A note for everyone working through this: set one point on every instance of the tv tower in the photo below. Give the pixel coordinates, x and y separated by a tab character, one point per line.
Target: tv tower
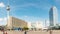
8	14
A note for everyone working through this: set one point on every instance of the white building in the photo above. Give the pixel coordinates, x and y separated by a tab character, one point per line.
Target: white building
53	16
36	25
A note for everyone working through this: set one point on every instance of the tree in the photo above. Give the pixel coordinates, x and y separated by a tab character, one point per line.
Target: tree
25	28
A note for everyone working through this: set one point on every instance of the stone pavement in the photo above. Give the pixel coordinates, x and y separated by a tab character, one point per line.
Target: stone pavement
32	32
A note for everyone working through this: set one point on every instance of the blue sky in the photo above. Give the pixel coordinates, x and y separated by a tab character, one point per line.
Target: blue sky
29	10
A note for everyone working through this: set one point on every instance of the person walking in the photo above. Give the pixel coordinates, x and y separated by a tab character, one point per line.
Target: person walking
6	32
3	32
25	32
50	31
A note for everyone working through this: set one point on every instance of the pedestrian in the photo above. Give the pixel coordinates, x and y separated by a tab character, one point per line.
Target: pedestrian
50	31
25	32
5	32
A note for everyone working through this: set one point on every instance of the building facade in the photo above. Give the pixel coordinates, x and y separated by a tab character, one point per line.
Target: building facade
53	16
15	23
35	25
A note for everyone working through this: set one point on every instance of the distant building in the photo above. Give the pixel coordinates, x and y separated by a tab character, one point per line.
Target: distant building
35	26
16	23
53	16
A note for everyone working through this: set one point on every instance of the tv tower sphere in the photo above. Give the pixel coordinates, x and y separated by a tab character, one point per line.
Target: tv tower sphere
8	8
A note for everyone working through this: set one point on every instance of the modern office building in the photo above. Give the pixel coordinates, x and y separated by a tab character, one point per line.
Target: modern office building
15	23
53	16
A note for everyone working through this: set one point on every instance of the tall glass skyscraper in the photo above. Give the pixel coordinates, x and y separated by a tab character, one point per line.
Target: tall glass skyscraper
53	16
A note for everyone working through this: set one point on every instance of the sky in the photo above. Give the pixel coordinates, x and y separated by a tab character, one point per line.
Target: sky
28	10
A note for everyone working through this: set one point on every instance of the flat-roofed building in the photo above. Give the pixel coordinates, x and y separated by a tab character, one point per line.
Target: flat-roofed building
37	25
15	23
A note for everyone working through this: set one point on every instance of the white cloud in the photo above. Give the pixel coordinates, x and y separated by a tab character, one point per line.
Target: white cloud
2	4
3	21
